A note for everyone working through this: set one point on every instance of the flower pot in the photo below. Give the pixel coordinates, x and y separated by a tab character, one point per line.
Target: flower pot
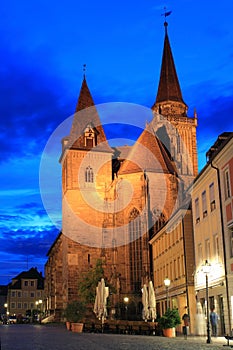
68	325
169	332
77	327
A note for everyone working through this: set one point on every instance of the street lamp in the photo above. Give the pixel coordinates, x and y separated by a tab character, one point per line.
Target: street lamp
126	300
7	313
167	283
206	269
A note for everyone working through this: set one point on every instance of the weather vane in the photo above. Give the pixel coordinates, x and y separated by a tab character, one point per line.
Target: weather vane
166	13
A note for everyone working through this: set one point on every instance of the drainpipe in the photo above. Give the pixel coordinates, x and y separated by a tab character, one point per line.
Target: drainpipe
185	264
224	244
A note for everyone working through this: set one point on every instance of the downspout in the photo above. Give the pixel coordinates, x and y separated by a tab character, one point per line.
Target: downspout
185	266
224	244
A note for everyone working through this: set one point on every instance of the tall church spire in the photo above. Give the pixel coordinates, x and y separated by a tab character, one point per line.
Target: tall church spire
85	99
169	98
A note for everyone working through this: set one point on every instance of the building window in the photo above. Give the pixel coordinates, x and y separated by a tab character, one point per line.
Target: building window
207	249
13	294
135	249
204	204
32	283
25	306
12	305
178	267
158	220
231	241
19	305
32	295
89	175
25	294
227	184
212	197
216	247
197	210
26	283
199	252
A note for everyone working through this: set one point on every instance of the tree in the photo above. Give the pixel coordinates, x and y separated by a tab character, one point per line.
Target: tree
87	286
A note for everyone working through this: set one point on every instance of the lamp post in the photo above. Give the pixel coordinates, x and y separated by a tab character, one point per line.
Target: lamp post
167	283
7	313
126	300
37	303
206	269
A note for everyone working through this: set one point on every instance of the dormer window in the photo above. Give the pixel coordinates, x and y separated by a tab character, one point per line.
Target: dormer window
89	137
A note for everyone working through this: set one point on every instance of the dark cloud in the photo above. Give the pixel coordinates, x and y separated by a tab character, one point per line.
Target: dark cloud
24	247
28	242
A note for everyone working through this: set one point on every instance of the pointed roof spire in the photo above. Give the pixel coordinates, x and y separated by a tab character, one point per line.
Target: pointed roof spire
169	87
85	99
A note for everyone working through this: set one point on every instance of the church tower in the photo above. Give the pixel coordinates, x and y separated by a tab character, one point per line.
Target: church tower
180	129
112	207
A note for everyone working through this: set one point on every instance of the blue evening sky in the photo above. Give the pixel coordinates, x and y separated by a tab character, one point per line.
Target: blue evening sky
43	48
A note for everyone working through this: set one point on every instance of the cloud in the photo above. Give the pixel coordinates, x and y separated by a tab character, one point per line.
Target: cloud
21	249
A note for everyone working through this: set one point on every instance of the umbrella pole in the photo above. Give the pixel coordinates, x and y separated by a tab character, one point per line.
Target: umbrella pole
102	324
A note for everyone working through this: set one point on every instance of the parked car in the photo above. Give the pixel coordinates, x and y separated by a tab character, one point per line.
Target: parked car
12	319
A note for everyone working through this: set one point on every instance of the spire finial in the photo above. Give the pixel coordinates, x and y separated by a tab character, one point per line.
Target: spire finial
165	14
84	70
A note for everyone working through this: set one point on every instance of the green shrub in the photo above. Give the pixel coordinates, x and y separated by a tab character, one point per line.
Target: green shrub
170	319
75	311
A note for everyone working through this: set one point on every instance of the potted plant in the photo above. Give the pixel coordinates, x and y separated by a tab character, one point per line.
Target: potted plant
169	321
74	314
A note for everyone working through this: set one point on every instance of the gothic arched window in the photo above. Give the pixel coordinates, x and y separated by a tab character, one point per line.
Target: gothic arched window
135	249
89	175
159	220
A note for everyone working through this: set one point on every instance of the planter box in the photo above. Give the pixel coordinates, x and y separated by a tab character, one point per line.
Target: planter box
77	327
68	325
169	332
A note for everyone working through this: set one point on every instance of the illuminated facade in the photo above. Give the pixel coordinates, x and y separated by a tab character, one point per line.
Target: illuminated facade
25	290
114	200
173	258
212	231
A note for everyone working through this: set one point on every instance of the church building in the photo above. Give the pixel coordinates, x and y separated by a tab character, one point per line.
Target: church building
115	199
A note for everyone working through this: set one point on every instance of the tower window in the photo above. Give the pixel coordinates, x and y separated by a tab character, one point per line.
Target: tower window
90	139
89	175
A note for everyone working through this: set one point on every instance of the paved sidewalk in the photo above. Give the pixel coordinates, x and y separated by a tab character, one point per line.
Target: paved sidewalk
41	337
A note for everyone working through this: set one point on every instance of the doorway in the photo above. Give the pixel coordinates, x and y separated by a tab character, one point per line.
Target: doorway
221	315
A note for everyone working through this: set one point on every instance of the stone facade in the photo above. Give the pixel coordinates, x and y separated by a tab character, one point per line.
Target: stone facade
113	205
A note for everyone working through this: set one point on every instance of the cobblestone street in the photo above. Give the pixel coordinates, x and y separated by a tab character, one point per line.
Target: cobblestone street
40	337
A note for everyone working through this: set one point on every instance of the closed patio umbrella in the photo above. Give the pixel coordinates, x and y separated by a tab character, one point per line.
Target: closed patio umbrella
100	306
145	310
152	301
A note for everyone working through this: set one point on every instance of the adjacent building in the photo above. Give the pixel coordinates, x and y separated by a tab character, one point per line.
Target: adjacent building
212	223
25	293
174	265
